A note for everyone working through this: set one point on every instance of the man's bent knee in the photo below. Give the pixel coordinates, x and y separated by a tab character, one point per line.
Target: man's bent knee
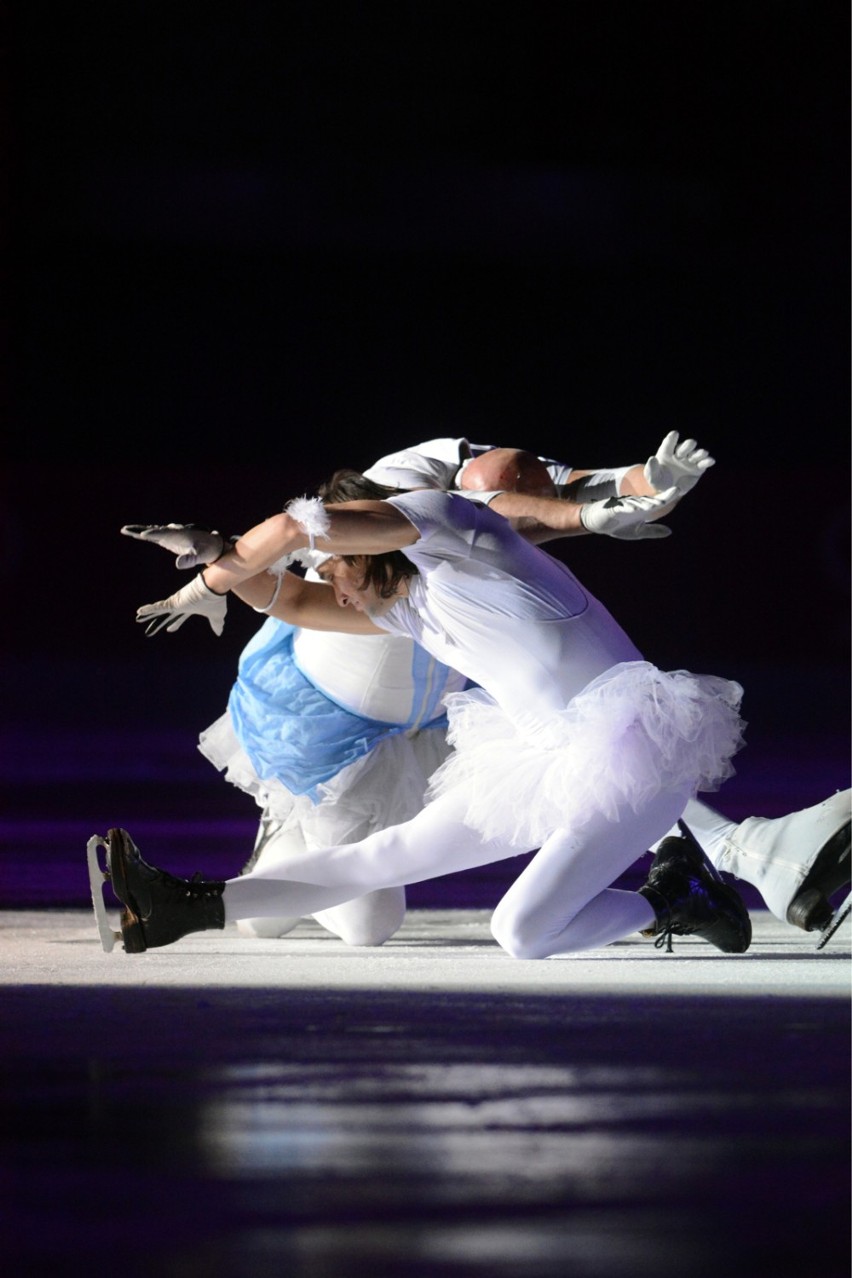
515	938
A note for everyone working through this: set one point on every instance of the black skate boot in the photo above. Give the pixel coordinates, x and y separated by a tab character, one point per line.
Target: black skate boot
689	901
158	908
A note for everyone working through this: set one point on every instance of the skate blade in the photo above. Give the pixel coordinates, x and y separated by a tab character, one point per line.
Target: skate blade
98	875
708	864
840	915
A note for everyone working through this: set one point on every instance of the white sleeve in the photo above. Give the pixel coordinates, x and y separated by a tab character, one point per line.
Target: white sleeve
482	499
432	464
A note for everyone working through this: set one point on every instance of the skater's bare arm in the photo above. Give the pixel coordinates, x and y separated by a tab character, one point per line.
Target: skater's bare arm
309	604
354	528
541	519
366	527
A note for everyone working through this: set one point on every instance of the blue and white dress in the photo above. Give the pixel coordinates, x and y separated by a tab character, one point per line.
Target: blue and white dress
334	732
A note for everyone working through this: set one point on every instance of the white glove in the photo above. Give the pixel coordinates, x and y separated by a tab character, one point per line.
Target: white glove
193	546
626	518
678	466
196	597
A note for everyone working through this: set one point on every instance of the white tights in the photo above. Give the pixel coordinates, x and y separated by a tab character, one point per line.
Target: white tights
561	903
367	920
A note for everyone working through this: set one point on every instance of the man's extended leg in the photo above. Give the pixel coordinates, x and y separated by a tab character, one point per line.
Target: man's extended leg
433	843
160	908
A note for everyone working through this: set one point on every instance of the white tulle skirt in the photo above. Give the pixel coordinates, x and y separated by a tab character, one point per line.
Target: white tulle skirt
386	786
630	734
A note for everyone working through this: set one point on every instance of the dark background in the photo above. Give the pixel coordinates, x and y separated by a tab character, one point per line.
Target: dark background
248	243
251	242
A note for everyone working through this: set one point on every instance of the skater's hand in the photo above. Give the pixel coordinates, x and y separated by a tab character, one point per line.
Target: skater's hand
194	598
193	546
677	466
627	518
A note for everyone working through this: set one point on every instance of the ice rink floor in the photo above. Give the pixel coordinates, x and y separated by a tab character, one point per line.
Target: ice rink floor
229	1106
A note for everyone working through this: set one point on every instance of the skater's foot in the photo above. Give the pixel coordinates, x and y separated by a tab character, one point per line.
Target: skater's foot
689	901
811	909
158	908
797	861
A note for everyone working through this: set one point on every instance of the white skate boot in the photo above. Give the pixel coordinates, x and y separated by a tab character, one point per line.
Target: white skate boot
797	862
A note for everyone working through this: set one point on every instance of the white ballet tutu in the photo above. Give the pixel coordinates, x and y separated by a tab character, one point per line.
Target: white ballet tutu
631	733
384	787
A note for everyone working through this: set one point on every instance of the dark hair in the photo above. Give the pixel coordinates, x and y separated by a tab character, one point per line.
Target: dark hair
351	485
382	572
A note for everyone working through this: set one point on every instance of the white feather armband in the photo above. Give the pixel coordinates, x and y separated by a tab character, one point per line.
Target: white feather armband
312	517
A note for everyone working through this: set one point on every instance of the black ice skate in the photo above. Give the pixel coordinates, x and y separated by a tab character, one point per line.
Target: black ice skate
689	899
158	908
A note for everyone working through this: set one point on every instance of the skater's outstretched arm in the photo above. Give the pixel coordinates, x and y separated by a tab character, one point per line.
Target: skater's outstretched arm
311	605
348	528
676	464
540	519
351	528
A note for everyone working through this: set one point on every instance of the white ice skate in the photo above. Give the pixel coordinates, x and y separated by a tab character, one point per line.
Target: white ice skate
797	862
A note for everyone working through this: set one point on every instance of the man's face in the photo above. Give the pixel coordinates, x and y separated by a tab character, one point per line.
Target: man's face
346	581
